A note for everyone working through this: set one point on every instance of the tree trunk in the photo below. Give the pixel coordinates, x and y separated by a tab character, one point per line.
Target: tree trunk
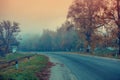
2	54
88	46
88	39
88	50
118	23
119	41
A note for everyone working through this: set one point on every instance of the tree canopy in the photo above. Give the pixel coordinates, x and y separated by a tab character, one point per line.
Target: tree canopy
8	36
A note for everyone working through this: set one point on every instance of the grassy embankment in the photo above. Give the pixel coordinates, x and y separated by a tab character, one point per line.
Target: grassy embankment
103	53
27	67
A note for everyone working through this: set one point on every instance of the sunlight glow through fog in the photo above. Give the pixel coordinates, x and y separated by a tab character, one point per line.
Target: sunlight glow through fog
36	15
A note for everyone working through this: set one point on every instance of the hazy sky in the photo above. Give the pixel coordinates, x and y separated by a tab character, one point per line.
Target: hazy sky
36	15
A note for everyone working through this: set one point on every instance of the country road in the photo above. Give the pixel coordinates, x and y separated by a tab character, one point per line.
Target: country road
86	67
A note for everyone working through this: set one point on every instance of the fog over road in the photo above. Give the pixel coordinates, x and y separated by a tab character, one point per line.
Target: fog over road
88	67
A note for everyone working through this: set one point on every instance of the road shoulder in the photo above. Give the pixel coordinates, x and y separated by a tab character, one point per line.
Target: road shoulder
60	71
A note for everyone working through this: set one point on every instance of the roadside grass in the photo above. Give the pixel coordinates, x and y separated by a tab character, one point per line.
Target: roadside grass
27	68
102	53
107	53
12	56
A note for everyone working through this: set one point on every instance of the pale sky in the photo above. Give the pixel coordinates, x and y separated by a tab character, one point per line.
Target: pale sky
35	15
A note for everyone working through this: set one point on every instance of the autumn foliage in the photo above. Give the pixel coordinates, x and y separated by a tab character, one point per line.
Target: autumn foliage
89	17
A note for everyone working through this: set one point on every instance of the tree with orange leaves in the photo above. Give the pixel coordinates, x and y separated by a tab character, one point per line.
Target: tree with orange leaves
110	14
84	15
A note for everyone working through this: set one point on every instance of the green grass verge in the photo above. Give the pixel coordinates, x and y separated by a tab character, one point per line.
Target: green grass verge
15	55
103	53
27	69
12	56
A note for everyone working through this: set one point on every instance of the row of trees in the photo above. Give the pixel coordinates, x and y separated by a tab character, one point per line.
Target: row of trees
60	40
66	38
89	16
90	25
8	36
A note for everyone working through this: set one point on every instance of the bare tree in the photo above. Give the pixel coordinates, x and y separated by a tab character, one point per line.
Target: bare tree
8	35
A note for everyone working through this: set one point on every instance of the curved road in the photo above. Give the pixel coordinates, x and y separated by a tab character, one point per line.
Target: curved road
89	67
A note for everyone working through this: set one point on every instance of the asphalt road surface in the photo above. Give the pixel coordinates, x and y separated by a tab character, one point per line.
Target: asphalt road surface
89	67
